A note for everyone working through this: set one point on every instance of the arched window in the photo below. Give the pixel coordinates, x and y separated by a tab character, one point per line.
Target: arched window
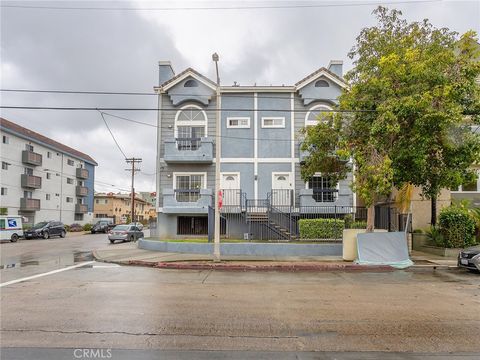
316	114
190	83
321	83
190	127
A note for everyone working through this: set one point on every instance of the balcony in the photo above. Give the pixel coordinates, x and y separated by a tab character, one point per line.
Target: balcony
82	173
31	158
81	191
31	181
81	209
187	201
28	204
187	150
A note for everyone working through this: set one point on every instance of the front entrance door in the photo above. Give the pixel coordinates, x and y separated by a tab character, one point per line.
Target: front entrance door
230	184
281	189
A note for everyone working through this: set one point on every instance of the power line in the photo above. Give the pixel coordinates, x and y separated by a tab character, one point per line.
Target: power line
113	137
173	110
178	8
95	92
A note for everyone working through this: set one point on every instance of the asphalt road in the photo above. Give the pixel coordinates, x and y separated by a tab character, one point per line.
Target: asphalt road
146	313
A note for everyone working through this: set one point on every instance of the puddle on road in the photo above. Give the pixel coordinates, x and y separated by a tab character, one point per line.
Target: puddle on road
63	260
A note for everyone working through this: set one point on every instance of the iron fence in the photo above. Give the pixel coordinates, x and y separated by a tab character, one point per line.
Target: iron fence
260	220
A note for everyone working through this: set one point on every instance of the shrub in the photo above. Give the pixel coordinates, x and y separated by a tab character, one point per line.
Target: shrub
348	221
87	227
67	228
457	227
436	236
321	228
358	225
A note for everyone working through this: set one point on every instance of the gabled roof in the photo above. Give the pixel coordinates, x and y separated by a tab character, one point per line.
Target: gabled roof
186	73
29	134
319	73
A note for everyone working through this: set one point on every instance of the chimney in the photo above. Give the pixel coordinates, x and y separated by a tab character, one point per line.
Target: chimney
165	72
336	66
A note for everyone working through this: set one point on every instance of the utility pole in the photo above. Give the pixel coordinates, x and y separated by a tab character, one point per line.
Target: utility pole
133	161
218	142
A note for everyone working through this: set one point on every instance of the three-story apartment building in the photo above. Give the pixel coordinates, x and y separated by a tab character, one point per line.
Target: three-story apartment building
42	179
260	151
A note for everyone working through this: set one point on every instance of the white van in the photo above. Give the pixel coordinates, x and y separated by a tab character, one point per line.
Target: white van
11	227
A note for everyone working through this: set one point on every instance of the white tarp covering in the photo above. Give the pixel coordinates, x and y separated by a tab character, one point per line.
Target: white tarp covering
389	248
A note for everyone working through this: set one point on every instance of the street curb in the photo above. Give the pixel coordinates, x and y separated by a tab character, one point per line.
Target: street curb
228	266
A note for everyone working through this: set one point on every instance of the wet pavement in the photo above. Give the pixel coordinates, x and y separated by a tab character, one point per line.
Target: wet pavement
154	313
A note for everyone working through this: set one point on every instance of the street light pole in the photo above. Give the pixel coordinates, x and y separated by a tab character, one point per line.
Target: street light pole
216	245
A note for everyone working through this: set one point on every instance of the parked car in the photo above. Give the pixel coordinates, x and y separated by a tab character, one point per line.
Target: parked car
125	233
469	258
102	226
139	225
46	229
10	227
76	227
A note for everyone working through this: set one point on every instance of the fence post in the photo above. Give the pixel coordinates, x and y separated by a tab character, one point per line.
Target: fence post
389	218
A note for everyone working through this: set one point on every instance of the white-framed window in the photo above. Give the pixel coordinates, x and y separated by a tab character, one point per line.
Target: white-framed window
28	171
316	114
187	186
5	139
49	154
70	162
47	196
49	176
273	122
4	191
238	122
5	165
471	187
69	181
190	127
29	147
69	199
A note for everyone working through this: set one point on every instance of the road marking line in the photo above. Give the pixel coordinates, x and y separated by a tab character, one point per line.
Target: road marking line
105	266
45	274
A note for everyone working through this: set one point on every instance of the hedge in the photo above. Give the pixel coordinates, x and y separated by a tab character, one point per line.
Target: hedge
87	227
456	227
321	228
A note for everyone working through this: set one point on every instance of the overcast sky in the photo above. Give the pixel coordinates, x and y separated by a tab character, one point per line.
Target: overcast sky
119	50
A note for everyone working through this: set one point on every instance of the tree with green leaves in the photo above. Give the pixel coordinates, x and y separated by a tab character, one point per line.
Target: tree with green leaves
407	116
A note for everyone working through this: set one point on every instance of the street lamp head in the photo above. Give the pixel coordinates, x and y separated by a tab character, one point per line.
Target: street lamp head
215	57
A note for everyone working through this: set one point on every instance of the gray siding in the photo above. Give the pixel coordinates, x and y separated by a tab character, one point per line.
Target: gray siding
280	147
237	143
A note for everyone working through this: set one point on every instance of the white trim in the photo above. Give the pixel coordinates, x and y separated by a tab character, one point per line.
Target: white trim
280	173
292	135
282	126
184	76
320	74
313	108
175	174
255	145
260	160
238	126
232	89
191	122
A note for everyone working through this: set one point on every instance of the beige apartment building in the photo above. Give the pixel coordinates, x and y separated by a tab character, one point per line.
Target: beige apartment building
118	207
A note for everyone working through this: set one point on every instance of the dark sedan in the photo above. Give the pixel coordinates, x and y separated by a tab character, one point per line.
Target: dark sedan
45	230
125	233
469	258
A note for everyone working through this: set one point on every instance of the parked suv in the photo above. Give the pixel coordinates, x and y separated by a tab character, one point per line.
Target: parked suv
46	229
102	226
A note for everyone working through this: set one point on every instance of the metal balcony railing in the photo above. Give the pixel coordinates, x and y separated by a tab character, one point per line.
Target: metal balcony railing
29	204
81	191
81	208
187	195
31	158
31	181
82	173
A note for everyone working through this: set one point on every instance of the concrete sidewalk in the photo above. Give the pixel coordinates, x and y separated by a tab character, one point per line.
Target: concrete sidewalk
129	254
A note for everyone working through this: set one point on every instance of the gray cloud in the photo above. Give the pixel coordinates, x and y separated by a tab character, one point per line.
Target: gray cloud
118	51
